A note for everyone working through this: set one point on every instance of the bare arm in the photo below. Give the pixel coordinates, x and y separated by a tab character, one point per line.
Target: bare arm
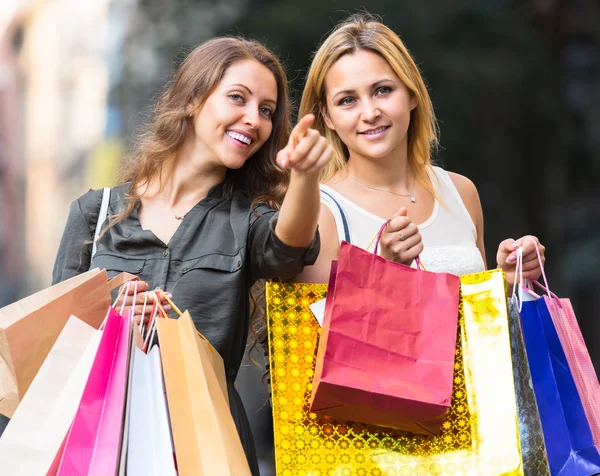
299	213
330	250
306	154
470	196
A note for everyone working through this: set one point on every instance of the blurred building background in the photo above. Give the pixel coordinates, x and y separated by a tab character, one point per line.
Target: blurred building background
515	84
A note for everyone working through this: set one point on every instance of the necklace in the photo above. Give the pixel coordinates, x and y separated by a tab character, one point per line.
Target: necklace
177	217
410	195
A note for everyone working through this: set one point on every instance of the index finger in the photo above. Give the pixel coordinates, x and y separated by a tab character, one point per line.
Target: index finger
397	224
302	127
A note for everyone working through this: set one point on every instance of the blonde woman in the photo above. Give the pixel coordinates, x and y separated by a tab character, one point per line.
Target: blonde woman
371	103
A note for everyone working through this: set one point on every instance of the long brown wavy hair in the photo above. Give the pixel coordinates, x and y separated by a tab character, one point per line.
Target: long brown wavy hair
170	123
363	31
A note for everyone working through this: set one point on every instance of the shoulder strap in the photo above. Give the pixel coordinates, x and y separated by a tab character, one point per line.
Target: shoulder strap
338	213
101	217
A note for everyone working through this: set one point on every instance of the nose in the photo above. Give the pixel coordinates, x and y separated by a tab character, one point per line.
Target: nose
252	117
370	112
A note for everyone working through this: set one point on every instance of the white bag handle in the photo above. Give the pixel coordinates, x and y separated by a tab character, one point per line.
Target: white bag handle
101	218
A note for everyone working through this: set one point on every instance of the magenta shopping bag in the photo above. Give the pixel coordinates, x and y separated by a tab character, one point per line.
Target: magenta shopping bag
94	440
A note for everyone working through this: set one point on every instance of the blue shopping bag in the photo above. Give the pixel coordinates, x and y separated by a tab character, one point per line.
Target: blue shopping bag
569	442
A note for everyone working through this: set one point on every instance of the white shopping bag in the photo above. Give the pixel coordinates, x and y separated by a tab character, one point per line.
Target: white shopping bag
38	428
150	444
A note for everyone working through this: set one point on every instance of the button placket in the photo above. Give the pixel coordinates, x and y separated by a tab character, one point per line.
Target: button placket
165	268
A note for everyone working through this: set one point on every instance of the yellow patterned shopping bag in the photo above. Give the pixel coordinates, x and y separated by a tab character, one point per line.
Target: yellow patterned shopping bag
479	435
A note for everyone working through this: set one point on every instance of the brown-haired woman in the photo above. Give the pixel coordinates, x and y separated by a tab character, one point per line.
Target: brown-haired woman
371	102
194	214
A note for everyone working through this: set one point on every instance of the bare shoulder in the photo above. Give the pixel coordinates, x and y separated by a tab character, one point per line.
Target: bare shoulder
465	186
328	228
468	192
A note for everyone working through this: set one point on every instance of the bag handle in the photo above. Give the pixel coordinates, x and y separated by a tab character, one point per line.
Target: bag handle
124	290
176	309
160	310
417	259
535	281
525	283
519	278
102	214
338	215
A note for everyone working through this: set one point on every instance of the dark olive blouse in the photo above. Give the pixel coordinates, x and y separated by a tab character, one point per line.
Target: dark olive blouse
220	249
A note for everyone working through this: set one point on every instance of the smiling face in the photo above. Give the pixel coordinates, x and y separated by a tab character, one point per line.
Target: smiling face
368	106
236	119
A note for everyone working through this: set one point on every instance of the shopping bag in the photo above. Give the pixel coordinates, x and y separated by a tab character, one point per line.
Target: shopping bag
150	446
479	435
566	326
29	327
567	433
386	354
577	355
40	424
136	344
93	442
204	433
531	435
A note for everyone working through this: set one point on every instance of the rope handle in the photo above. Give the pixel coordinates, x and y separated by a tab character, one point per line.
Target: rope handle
525	283
160	310
378	236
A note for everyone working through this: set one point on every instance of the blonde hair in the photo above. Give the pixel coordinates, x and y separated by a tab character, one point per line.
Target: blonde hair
365	32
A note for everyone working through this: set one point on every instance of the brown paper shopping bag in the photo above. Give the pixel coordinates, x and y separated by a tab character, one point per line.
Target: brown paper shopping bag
205	436
29	327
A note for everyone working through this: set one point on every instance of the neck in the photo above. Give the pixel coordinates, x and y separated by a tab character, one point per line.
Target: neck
190	175
389	173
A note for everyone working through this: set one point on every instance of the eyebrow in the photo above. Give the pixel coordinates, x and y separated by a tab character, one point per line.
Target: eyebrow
240	85
374	85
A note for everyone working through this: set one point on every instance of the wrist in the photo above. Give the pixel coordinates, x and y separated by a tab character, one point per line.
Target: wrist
305	177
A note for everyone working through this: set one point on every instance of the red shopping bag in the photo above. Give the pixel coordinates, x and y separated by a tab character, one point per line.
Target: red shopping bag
386	352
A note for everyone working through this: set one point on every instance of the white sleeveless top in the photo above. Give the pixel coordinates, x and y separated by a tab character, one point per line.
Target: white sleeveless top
449	235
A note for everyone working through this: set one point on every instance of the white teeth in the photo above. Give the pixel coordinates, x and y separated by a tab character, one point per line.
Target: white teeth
240	137
375	131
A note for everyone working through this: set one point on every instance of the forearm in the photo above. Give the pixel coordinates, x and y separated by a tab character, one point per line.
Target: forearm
299	213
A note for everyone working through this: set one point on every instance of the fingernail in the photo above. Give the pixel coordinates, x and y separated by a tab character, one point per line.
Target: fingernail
514	246
169	294
511	258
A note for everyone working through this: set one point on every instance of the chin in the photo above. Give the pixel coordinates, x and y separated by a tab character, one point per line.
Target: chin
235	163
377	152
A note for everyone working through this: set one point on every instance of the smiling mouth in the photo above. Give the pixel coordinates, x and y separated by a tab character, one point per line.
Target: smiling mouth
374	132
239	137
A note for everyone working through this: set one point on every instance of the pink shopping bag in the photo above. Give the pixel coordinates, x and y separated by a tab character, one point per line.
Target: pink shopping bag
564	320
94	440
579	360
386	352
